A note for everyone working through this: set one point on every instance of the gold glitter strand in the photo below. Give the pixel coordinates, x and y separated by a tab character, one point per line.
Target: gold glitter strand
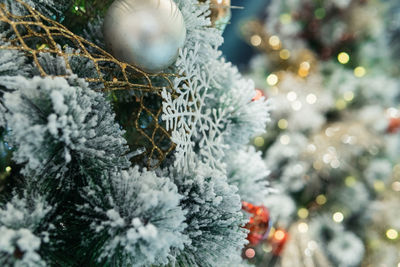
34	34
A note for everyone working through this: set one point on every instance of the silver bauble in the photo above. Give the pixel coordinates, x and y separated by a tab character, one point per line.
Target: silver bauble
145	33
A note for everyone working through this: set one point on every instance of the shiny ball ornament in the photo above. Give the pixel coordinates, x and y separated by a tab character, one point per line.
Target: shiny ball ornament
145	33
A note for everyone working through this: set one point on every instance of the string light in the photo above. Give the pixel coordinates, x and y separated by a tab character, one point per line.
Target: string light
267	247
327	158
255	40
311	99
302	213
308	252
340	104
396	186
272	79
296	105
392	234
305	65
312	245
330	131
350	181
348	139
8	169
379	186
304	69
285	139
279	235
338	217
303	73
291	96
259	141
348	96
311	148
250	253
320	199
284	54
282	124
285	18
335	163
302	227
343	58
274	42
359	71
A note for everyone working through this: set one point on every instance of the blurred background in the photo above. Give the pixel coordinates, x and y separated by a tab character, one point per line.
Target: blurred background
330	70
234	41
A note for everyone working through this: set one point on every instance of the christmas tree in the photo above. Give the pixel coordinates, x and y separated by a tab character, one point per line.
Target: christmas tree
120	145
330	70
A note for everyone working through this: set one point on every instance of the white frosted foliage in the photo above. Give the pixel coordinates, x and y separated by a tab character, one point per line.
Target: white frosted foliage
284	159
324	229
281	207
301	102
346	249
22	231
289	150
246	170
49	8
214	219
139	214
380	169
357	195
368	89
22	240
12	63
55	125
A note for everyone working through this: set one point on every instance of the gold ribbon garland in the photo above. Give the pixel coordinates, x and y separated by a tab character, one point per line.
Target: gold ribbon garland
34	34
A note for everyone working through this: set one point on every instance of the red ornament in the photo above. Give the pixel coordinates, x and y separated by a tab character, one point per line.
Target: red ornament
394	125
259	94
259	223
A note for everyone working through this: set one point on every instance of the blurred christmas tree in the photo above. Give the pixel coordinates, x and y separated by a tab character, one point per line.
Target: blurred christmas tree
120	147
331	75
